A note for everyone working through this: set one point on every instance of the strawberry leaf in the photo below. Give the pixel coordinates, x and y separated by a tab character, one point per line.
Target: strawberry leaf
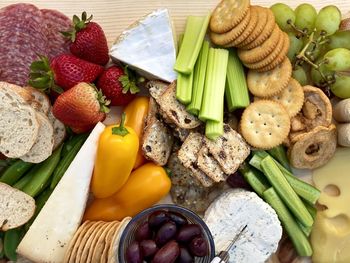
102	100
128	81
41	76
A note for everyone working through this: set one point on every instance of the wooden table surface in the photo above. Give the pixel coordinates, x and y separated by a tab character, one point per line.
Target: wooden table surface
115	15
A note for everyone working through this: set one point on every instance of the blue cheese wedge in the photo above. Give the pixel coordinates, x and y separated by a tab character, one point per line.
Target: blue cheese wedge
149	46
234	209
48	237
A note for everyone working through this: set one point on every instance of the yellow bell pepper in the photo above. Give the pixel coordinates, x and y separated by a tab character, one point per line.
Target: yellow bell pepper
146	186
136	112
116	156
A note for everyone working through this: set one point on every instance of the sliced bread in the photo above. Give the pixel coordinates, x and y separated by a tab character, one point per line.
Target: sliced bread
42	102
43	145
188	155
176	111
156	88
12	92
210	166
16	207
230	150
59	130
157	141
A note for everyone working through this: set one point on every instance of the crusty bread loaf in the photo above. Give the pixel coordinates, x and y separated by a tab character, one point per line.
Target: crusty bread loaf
16	207
43	145
59	130
41	102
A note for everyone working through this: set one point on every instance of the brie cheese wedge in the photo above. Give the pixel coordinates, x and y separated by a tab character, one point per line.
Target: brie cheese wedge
149	46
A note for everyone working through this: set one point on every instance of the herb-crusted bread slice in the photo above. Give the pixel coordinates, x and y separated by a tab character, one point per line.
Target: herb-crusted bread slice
175	110
188	155
230	150
16	207
157	141
43	145
210	166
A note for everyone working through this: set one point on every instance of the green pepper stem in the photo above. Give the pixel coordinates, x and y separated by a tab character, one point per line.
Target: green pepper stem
120	130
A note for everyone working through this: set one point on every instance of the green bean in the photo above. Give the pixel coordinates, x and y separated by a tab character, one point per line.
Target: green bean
14	172
2	254
11	242
27	177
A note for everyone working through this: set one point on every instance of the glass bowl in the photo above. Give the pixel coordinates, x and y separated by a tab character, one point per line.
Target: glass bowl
129	231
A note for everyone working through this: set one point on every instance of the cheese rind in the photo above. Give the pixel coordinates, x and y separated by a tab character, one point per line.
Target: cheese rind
148	46
48	237
234	209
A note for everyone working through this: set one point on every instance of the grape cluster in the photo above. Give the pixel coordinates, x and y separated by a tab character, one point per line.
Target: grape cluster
319	51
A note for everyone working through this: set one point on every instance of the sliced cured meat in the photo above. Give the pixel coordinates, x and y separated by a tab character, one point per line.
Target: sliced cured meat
56	22
22	39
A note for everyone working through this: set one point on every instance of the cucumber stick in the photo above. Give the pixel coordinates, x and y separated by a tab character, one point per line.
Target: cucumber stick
300	241
255	179
279	153
285	191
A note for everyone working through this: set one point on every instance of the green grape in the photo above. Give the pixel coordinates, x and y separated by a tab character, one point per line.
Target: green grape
338	59
283	13
295	46
305	16
300	75
341	87
340	39
328	20
316	76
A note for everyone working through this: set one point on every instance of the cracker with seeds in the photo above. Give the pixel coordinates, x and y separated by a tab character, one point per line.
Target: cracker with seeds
228	14
270	83
210	166
265	124
229	150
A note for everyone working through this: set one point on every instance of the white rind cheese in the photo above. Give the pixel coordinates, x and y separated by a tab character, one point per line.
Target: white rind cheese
234	209
49	235
148	46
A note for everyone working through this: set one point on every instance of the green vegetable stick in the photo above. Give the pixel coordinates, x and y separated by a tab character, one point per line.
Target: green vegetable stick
214	129
285	191
13	173
300	241
27	177
279	153
255	178
196	27
184	88
11	241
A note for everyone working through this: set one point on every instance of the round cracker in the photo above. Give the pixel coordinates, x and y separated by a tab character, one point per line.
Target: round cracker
265	124
272	56
85	242
258	29
228	37
248	30
268	28
113	249
99	244
258	53
228	14
74	243
108	241
267	84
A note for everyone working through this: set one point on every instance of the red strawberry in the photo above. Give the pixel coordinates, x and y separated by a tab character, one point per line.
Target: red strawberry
88	40
118	85
81	107
64	71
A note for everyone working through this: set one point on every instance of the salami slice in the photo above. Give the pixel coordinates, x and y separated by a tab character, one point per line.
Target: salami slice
56	22
22	39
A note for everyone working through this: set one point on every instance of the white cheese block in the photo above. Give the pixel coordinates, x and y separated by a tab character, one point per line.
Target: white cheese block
234	209
48	237
148	46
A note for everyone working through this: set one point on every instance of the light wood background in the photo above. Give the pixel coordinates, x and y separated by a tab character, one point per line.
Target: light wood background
115	15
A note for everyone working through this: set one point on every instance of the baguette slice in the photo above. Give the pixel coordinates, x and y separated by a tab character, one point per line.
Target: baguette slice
13	92
59	130
43	145
16	207
42	102
156	88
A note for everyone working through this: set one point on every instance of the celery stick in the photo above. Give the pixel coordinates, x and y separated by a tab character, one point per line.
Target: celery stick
214	89
214	129
306	191
279	153
299	240
179	42
196	27
285	191
236	91
199	79
306	229
255	178
184	88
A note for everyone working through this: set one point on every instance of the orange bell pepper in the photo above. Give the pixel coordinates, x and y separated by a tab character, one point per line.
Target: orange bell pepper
115	159
136	113
146	186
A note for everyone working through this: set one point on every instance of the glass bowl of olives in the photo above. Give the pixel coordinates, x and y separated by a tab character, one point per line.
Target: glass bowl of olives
166	234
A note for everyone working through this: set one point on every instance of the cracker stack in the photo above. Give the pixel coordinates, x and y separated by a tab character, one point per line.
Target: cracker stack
261	44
